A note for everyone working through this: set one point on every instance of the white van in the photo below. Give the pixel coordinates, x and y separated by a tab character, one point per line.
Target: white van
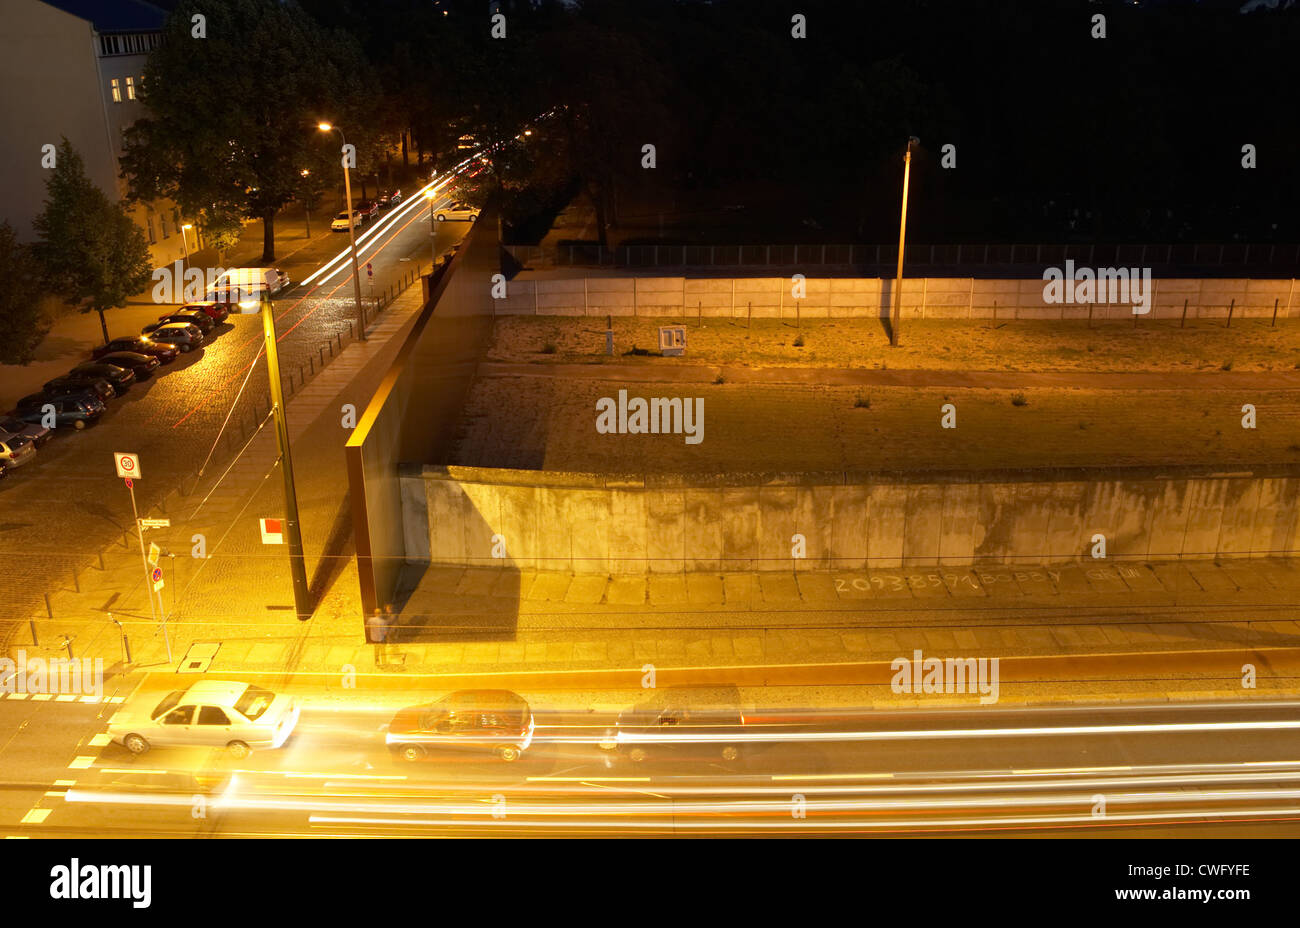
244	286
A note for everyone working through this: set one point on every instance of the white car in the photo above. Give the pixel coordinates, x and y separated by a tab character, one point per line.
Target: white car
340	223
211	713
456	211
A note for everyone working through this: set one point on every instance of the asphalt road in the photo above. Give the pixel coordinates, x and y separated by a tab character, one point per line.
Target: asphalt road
66	506
1221	769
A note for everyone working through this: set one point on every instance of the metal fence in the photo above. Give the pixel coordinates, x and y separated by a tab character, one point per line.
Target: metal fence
1235	255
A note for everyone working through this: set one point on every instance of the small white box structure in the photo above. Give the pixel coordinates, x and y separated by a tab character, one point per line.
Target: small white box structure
672	340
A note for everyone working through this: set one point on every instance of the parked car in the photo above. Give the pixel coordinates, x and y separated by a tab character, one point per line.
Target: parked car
16	450
183	335
120	377
80	383
487	721
77	410
214	310
368	208
392	198
456	211
681	722
239	716
340	223
38	433
194	317
142	365
165	352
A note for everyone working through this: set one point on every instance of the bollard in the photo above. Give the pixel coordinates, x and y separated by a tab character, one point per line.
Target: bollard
126	642
1274	323
101	561
36	641
322	356
1231	307
76	580
1183	322
1089	315
49	609
311	366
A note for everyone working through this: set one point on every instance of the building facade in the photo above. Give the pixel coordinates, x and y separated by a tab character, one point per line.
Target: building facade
74	68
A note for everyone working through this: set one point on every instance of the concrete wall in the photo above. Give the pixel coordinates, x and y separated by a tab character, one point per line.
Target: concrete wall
928	298
608	525
412	414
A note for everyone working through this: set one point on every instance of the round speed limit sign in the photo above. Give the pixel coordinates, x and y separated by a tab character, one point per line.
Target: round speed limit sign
128	465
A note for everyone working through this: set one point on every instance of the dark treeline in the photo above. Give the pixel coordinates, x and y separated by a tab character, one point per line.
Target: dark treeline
1059	136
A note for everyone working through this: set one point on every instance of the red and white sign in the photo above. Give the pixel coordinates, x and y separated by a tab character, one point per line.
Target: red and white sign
272	531
370	269
128	465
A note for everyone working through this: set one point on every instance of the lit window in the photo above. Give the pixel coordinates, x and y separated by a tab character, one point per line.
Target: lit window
130	88
153	239
117	90
163	220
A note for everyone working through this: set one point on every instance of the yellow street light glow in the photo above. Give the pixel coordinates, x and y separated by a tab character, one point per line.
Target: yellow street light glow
188	225
324	126
304	172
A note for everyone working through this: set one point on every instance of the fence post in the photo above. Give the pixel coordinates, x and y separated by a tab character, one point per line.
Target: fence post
1231	306
1183	322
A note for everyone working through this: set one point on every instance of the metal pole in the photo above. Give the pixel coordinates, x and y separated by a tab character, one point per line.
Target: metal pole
297	566
1231	307
148	578
897	309
352	240
1182	324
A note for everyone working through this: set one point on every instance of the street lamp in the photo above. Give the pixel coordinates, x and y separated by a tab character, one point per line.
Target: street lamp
433	231
356	274
306	210
902	239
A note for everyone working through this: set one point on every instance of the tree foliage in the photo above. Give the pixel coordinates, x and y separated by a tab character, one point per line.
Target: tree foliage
232	117
22	321
90	251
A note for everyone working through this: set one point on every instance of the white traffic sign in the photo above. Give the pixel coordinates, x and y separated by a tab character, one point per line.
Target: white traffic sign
128	465
154	551
155	523
272	532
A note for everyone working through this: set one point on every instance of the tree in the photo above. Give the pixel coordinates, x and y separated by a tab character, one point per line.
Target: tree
21	318
232	115
90	251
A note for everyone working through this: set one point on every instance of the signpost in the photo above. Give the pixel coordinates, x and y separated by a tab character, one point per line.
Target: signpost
128	468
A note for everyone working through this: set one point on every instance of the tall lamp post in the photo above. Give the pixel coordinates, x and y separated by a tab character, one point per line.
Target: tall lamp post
433	231
897	308
305	172
185	245
297	564
352	239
